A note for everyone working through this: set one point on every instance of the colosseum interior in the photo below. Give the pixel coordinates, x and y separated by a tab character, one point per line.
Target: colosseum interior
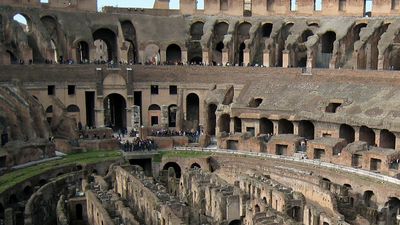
220	112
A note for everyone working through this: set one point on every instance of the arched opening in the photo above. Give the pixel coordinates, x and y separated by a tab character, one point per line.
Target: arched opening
195	165
174	55
257	209
152	55
266	126
224	123
129	32
220	30
28	191
154	114
243	33
327	42
212	119
347	132
369	199
175	167
196	31
387	139
348	186
267	30
237	124
79	211
296	213
306	129
393	206
242	47
115	111
24	21
108	37
367	135
285	127
357	30
73	108
83	52
235	222
368	8
325	223
305	35
172	109
13	58
255	102
192	109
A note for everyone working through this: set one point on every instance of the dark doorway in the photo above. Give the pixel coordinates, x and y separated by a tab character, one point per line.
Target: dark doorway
83	52
79	211
285	127
176	168
146	164
115	111
346	132
212	119
266	126
174	54
306	129
89	100
192	109
172	109
137	98
224	123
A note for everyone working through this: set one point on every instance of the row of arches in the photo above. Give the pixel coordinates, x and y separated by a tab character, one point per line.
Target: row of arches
386	138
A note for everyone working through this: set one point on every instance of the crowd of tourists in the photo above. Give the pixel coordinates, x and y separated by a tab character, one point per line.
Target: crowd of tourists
192	135
138	145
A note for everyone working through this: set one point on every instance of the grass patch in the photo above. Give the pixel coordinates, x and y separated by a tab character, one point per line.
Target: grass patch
180	154
11	179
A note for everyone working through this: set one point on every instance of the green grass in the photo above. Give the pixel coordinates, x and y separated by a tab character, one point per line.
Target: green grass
11	179
180	154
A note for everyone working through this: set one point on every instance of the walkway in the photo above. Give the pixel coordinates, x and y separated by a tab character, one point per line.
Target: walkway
377	176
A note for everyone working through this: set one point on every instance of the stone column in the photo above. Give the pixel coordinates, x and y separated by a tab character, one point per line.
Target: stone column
266	58
397	144
295	127
164	116
141	59
276	126
232	125
99	117
377	137
135	117
381	62
206	57
179	112
163	56
285	59
368	53
356	133
256	127
246	57
225	56
184	57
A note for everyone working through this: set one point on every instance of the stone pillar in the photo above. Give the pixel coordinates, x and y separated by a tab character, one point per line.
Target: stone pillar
206	58
232	125
377	137
368	53
256	127
381	61
225	56
99	117
266	58
135	117
9	216
397	144
246	57
356	133
295	127
163	57
141	59
74	55
179	112
285	59
164	116
184	57
92	53
276	126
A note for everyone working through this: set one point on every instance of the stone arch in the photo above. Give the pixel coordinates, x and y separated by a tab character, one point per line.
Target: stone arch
195	165
114	79
110	39
356	31
175	166
368	135
28	191
49	109
196	30
172	110
154	116
243	33
152	54
174	54
393	206
327	41
220	30
347	132
115	111
25	20
82	53
387	139
266	30
193	109
73	108
306	129
129	32
211	119
224	123
266	126
257	208
369	199
285	127
237	124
